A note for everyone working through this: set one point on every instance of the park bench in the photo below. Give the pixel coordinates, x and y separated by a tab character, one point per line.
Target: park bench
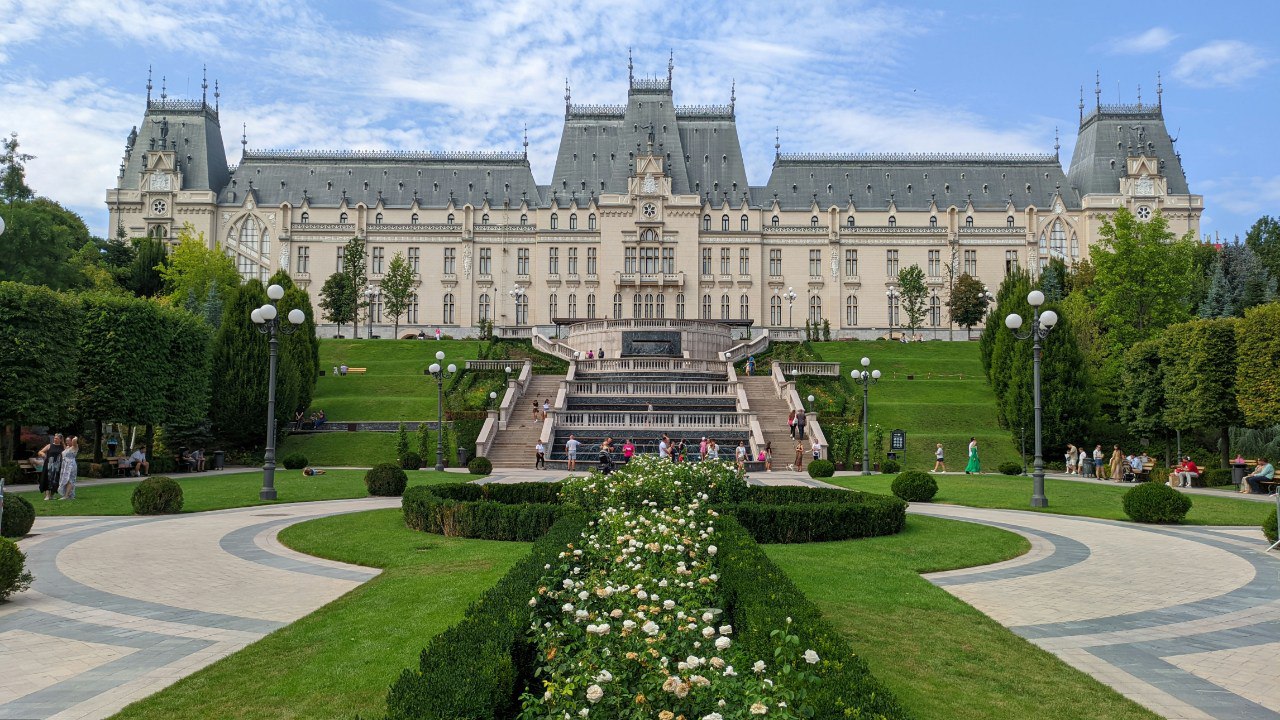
1251	465
1145	473
356	371
30	473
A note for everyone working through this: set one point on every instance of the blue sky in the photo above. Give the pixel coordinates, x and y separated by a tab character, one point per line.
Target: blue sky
833	76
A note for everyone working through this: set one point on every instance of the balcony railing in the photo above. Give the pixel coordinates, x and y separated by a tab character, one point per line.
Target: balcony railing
652	419
641	388
819	369
617	365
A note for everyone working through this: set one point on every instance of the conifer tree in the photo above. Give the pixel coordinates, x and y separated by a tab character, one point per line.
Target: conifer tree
239	366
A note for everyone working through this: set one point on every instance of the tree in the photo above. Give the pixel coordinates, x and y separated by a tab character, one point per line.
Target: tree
397	288
1264	239
968	301
38	356
1142	398
914	295
300	352
1258	356
1066	394
40	239
13	174
149	257
353	266
239	367
1199	360
1238	280
337	300
196	273
1013	289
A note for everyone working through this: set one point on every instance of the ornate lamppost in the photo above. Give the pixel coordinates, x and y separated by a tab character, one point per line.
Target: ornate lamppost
866	380
267	318
893	295
517	294
790	296
1041	324
439	373
370	293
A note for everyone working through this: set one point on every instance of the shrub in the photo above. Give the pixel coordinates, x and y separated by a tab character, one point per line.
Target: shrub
385	480
12	474
19	516
157	495
1010	468
410	461
465	510
821	522
527	492
889	467
480	466
163	464
822	469
14	577
1269	526
1217	477
1155	502
915	486
295	461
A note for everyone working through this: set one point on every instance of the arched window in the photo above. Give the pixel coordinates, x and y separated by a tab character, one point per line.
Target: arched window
555	221
484	219
680	306
1057	239
648	306
968	221
449	219
573	306
617	306
815	308
1008	221
249	234
775	310
706	222
1044	245
935	311
724	222
706	307
524	219
573	221
636	305
1075	246
724	306
306	218
591	221
591	306
851	222
447	316
893	221
660	311
744	307
743	223
851	310
813	221
522	310
775	221
648	235
933	221
553	306
377	219
413	219
342	218
484	306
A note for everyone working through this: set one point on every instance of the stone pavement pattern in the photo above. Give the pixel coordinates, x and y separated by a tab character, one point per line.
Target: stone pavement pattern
1184	620
124	606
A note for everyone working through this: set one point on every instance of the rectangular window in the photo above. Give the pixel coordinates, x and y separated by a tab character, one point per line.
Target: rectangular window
724	261
573	259
304	259
451	264
815	263
649	260
411	312
891	263
744	261
629	260
413	259
706	261
971	262
775	263
486	261
669	260
553	261
522	261
851	263
377	261
591	260
1010	262
342	259
935	263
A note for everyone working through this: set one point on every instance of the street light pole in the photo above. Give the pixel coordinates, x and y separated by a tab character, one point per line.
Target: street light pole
866	380
267	318
437	372
1041	324
516	295
370	292
892	294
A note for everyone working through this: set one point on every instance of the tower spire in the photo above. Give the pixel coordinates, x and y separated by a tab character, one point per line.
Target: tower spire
1159	91
149	86
1056	145
1097	89
733	94
526	141
244	138
164	94
631	70
777	143
204	85
567	95
1139	95
1082	104
216	96
671	66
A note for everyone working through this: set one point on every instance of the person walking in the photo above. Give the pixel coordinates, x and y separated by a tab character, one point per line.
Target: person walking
535	411
1071	457
974	466
740	456
67	479
799	463
539	456
702	449
664	447
791	424
768	456
1117	464
628	450
546	407
751	365
571	451
52	456
1084	461
1098	471
939	466
800	422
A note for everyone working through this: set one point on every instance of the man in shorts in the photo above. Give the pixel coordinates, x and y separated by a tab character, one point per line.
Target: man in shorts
571	449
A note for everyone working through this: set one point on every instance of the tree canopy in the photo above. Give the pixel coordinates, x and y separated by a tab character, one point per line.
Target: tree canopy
197	276
337	300
397	288
1258	356
913	293
968	301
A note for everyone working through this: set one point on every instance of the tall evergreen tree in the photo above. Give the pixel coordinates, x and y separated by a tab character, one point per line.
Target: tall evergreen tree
149	257
1013	288
300	350
1219	301
239	406
1264	239
1067	396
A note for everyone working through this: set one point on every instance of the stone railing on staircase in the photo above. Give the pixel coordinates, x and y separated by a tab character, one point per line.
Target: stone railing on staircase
648	365
786	390
818	369
552	347
743	350
498	419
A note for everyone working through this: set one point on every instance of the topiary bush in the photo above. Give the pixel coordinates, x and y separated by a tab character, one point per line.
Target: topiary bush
822	469
410	461
1155	502
12	474
1217	477
385	480
295	461
14	577
480	466
158	495
915	486
888	467
1010	468
801	515
18	518
1269	526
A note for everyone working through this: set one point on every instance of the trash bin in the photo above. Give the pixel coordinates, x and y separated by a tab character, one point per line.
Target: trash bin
218	455
1086	468
462	457
1237	472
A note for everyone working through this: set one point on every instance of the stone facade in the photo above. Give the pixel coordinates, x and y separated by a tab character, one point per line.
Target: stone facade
648	214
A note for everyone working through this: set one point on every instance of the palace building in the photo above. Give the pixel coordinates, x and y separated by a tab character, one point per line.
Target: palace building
648	214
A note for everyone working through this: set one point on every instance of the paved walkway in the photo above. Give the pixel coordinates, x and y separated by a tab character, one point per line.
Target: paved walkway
124	606
1184	620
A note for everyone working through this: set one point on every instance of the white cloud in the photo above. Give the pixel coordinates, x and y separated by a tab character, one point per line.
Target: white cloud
1149	41
181	24
1222	62
1249	196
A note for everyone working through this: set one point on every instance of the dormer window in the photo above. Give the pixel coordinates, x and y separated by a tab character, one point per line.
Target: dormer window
377	219
555	221
449	219
706	222
1008	221
484	219
413	219
342	218
893	221
933	221
813	221
724	223
306	217
968	221
775	221
591	221
851	222
573	221
524	219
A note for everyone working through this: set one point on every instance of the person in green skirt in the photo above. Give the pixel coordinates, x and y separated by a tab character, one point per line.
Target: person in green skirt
974	465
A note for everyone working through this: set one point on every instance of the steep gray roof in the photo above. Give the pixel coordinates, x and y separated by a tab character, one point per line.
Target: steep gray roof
192	131
1110	134
397	178
912	181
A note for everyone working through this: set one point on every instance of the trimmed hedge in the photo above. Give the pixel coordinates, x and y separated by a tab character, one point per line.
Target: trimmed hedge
480	466
1155	502
822	469
385	480
801	514
18	518
294	461
410	461
889	467
1217	477
1269	526
761	598
522	511
915	486
157	495
14	577
477	669
1010	468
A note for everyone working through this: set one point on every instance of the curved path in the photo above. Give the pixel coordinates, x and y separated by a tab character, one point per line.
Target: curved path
124	606
1184	620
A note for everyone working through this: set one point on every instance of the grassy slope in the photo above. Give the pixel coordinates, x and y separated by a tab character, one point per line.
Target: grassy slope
215	492
357	449
1066	497
394	387
947	410
340	660
942	658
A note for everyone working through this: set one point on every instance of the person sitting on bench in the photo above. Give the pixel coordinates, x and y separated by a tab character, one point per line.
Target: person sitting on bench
1264	472
138	461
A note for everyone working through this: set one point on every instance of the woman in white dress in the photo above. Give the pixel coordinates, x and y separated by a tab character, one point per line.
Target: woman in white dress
67	480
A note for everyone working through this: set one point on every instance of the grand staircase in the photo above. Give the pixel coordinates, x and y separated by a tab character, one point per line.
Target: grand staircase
771	412
514	446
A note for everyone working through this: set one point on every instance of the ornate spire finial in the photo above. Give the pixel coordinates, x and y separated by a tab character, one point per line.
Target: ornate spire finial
244	137
566	96
1082	104
671	65
164	94
149	86
1159	90
1097	89
1056	145
204	85
631	74
526	141
733	94
216	96
777	143
1139	95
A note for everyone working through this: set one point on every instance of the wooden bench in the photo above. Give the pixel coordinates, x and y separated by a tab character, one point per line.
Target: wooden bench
356	371
1252	465
30	473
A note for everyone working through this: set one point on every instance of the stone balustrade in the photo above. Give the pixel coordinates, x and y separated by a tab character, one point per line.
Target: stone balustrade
652	420
641	388
818	369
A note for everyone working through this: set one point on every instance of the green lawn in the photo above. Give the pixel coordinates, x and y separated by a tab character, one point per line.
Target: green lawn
394	387
216	492
357	449
947	401
1066	497
340	660
941	657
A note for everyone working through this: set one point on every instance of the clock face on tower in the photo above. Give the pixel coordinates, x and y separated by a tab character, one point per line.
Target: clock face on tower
649	210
